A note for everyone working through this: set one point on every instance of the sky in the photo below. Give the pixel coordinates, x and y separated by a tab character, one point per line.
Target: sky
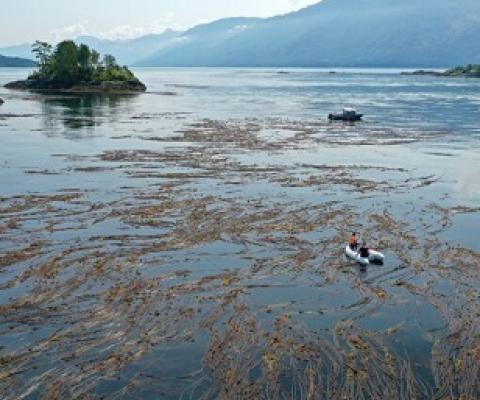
24	21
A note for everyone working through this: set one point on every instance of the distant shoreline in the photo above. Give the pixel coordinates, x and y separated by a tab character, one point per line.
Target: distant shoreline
470	71
424	72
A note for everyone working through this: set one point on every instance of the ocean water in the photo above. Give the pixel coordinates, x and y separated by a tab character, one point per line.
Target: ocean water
222	197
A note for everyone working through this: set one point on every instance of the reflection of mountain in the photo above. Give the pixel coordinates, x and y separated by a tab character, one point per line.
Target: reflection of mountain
80	113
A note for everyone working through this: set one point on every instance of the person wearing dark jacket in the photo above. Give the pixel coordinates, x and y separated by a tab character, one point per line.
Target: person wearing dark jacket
364	250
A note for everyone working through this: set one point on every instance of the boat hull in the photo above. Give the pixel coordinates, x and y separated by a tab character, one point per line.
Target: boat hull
341	117
373	257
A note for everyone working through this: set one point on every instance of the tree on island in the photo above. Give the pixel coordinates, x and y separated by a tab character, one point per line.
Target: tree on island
68	64
471	71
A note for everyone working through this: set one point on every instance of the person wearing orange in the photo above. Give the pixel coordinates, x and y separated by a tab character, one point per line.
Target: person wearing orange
354	241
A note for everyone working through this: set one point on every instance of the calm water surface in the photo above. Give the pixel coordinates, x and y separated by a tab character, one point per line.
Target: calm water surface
52	145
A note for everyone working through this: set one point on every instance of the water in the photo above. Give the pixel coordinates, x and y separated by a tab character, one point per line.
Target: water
222	197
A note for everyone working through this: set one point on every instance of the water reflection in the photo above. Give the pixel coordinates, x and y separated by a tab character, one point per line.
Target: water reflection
80	115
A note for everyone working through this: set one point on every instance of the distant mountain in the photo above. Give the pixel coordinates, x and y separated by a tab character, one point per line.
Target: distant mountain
198	46
380	33
332	33
22	51
16	62
126	51
129	51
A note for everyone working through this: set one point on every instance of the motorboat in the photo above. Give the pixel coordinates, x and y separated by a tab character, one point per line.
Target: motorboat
348	114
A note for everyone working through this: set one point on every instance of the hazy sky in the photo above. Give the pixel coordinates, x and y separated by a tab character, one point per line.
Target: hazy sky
26	20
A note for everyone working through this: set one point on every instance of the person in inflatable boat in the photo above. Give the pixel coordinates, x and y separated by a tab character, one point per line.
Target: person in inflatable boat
354	241
364	251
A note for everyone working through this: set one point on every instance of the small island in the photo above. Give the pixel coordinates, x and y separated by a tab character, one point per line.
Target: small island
76	68
469	71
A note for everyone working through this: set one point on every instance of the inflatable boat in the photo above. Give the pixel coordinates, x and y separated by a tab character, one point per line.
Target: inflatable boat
373	256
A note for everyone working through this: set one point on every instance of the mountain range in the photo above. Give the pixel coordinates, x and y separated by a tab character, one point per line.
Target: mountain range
15	62
127	52
332	33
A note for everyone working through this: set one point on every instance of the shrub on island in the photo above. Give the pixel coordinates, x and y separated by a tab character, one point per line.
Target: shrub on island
469	71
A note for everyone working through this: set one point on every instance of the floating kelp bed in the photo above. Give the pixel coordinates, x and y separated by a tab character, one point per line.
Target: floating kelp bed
212	270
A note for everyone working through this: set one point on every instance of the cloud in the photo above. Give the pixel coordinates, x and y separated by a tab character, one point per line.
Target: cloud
303	3
128	31
120	32
70	32
238	29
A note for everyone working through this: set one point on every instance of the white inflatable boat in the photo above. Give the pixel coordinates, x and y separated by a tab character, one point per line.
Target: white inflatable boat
373	256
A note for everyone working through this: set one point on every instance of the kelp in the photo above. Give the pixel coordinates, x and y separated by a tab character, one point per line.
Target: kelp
97	292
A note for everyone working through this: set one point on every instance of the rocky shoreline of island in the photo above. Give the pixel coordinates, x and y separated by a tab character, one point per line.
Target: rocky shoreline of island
93	87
